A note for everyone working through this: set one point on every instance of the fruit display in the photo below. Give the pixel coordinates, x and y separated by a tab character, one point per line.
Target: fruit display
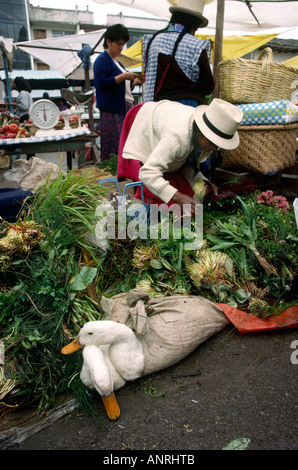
10	127
73	121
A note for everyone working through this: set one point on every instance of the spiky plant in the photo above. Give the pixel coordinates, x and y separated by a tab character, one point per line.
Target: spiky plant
211	268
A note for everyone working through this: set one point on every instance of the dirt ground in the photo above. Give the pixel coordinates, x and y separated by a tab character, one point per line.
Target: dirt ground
233	387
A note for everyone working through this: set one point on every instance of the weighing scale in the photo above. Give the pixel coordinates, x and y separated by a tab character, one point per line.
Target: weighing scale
45	115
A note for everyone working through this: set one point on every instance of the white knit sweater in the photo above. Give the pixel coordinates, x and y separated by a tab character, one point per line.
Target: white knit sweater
161	138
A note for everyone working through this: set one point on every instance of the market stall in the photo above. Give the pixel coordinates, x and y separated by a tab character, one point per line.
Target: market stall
73	56
59	141
79	256
226	16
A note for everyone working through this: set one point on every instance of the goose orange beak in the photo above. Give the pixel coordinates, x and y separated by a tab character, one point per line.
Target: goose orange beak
72	347
111	406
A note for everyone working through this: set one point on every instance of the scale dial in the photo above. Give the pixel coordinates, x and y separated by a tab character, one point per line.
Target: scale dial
44	114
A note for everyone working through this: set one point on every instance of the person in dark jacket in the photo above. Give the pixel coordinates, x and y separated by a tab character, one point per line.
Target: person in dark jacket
113	86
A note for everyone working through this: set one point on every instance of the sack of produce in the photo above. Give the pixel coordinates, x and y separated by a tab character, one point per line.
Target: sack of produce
169	328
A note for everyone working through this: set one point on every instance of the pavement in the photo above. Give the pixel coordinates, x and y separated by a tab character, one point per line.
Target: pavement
235	391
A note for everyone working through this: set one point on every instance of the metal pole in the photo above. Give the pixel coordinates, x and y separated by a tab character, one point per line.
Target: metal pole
8	89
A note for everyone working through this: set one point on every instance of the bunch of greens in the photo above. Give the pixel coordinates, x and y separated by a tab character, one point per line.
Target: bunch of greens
44	298
261	241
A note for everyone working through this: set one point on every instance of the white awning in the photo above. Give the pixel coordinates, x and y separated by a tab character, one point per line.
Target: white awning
239	15
61	53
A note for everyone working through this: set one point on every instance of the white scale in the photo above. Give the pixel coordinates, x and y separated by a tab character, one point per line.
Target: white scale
44	114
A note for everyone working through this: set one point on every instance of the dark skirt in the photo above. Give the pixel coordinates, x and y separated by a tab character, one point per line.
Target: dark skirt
110	126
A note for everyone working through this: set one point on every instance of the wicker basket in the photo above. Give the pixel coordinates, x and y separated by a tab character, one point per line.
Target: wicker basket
256	81
264	149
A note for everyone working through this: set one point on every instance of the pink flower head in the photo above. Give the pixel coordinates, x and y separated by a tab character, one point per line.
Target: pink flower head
268	198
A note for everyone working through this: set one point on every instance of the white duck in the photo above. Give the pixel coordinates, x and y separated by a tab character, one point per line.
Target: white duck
112	355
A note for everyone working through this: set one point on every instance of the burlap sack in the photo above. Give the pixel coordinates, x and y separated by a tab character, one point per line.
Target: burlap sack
169	328
28	174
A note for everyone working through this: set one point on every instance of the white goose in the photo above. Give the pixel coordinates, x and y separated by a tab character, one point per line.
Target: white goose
112	355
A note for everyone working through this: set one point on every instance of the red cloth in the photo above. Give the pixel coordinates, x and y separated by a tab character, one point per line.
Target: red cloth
129	168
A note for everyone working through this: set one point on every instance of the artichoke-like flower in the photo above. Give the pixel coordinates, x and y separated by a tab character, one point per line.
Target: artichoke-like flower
146	285
211	268
6	384
143	255
19	240
258	307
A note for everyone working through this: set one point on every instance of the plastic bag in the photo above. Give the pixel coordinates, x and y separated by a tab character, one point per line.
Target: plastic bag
295	205
247	323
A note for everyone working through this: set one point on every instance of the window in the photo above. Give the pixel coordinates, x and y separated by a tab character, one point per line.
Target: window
39	34
57	33
133	38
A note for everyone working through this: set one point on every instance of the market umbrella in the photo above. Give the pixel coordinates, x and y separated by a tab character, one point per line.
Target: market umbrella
229	15
240	15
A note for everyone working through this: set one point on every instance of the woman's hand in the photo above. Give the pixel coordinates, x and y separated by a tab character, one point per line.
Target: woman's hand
211	188
125	76
181	199
139	80
135	78
130	76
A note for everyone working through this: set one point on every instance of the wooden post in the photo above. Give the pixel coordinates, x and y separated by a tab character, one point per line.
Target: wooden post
90	104
217	57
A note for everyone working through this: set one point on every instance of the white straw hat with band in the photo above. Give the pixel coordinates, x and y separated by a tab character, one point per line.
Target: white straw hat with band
219	123
191	7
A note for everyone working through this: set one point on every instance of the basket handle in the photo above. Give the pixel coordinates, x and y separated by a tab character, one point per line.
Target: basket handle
268	59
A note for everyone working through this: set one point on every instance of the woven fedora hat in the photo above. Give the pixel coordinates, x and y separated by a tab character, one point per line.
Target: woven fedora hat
219	123
191	7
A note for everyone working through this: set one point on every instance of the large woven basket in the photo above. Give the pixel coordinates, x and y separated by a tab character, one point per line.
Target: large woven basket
256	81
266	150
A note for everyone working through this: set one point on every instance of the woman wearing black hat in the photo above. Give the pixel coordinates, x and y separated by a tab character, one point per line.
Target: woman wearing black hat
176	62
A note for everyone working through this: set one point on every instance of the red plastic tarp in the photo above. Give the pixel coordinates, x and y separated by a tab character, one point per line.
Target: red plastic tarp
248	323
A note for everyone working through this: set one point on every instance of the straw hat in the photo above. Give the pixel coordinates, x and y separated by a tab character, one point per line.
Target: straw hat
191	7
219	123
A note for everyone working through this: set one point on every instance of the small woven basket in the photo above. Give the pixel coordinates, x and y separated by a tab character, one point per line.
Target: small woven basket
266	150
256	81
